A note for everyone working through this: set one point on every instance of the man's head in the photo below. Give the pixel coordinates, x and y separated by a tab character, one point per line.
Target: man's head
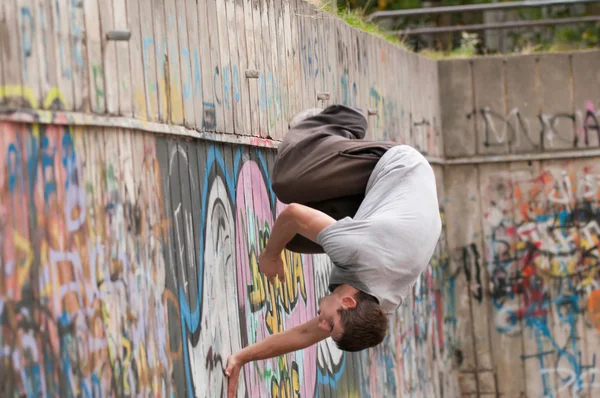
354	319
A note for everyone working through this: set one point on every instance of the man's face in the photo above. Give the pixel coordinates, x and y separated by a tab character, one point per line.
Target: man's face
329	318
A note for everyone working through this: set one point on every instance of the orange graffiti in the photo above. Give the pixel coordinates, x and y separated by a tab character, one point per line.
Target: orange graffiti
594	308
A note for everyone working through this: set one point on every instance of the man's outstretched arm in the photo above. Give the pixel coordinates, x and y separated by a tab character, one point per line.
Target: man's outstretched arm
294	219
297	338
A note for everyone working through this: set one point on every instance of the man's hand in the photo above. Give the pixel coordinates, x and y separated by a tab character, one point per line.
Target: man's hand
232	371
271	265
297	338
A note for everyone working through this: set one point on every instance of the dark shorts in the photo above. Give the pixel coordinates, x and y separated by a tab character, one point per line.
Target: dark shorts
325	163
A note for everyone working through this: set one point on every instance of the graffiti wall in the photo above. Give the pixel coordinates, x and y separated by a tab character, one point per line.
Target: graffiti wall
530	276
129	267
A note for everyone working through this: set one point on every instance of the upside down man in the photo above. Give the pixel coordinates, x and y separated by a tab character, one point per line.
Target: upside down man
371	206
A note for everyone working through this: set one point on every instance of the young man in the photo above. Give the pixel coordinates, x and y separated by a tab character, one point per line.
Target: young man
371	206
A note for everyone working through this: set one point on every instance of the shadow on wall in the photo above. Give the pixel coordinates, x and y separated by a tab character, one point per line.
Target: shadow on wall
129	266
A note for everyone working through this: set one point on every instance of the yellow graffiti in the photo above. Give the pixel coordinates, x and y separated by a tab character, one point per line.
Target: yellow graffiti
22	244
288	385
26	93
277	296
16	91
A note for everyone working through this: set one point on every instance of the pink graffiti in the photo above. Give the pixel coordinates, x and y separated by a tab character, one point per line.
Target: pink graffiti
296	372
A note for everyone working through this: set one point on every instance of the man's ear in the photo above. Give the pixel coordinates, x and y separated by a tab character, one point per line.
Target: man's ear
348	302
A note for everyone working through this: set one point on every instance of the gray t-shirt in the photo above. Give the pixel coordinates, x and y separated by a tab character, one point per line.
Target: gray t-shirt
389	242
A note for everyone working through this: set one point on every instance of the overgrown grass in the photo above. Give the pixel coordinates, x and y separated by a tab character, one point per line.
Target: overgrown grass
356	19
564	40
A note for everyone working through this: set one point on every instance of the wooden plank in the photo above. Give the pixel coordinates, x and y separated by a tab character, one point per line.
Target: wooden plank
78	61
226	67
11	59
244	99
149	59
330	25
154	227
141	301
137	73
369	100
162	72
284	33
185	59
92	139
283	66
172	64
209	114
254	107
195	53
174	278
317	56
94	57
63	52
295	100
262	68
306	63
114	252
398	97
278	70
403	100
111	74
2	51
340	72
29	48
122	51
237	106
216	66
266	80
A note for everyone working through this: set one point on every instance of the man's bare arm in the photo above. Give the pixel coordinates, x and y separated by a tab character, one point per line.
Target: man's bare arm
296	219
297	338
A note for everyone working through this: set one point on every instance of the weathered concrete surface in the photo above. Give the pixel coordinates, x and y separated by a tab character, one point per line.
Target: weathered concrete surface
540	103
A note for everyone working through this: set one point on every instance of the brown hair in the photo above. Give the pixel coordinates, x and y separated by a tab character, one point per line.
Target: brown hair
364	326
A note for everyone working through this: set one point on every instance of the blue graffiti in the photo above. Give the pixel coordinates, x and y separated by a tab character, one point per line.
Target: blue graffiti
13	161
148	42
187	89
76	31
48	155
26	36
197	75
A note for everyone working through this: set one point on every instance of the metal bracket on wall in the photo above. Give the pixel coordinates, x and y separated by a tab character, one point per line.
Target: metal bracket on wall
252	74
118	35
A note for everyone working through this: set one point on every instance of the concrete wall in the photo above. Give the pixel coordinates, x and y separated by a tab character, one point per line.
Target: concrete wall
527	105
135	198
522	209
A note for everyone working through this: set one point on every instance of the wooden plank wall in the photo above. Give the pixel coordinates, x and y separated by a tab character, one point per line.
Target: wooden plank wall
186	61
129	267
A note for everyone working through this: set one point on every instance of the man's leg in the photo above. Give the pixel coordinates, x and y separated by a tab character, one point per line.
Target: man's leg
324	163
